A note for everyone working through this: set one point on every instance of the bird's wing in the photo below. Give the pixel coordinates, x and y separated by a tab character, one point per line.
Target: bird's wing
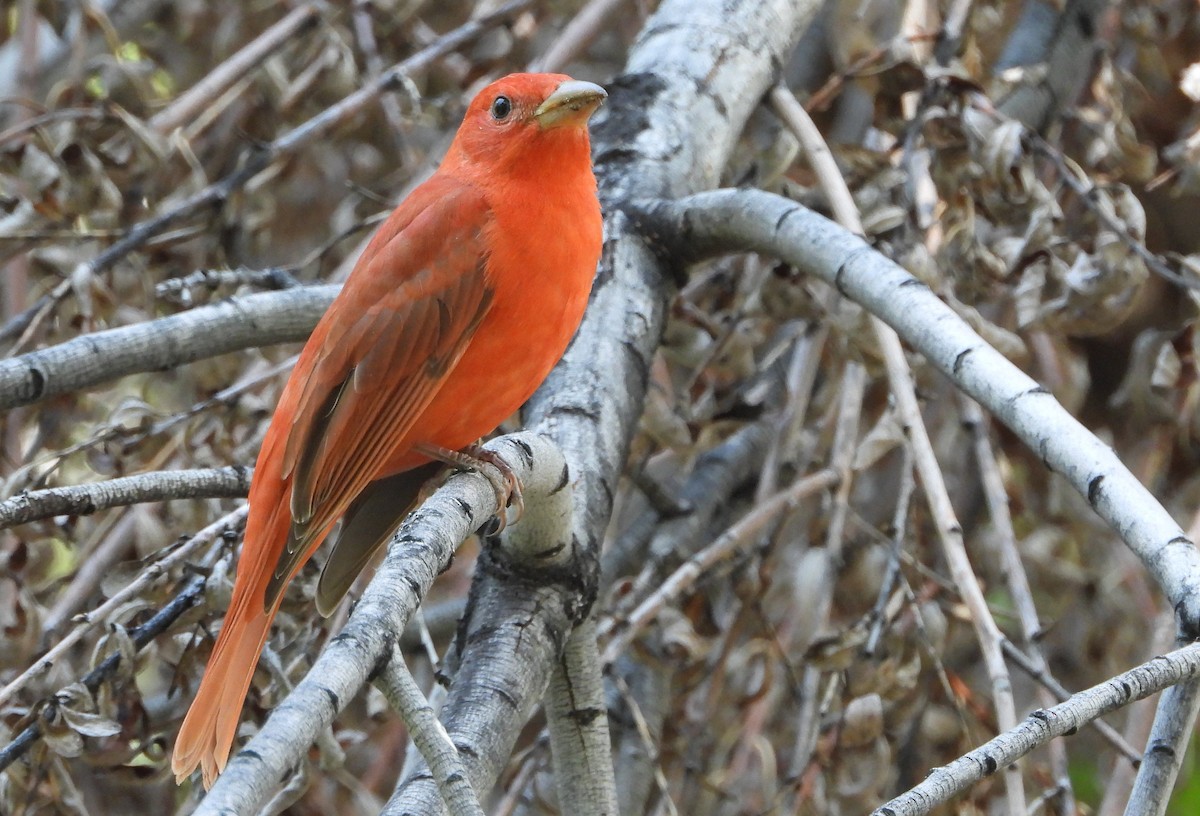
399	327
367	524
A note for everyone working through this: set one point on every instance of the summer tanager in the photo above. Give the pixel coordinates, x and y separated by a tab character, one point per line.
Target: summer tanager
455	313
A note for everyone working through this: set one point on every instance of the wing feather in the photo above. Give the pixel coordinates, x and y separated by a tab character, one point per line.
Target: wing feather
409	311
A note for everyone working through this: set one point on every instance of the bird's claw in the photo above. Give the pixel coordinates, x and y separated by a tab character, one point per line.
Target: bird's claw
507	486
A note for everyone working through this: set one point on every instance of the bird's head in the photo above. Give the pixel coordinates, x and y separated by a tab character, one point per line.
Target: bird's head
524	118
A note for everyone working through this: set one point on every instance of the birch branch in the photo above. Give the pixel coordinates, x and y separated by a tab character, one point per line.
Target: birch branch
238	323
1174	725
419	551
85	499
943	784
695	61
525	600
725	221
431	739
577	717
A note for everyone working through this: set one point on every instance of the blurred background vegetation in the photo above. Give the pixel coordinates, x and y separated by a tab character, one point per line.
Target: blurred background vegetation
1035	242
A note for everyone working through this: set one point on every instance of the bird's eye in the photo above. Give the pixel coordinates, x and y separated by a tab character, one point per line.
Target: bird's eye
501	108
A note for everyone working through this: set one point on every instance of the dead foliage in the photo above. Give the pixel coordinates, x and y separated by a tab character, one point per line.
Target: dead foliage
744	696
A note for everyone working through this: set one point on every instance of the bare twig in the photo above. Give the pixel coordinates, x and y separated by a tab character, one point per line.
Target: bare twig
1041	674
184	600
179	289
1014	573
577	34
1089	196
1174	726
944	783
725	545
430	736
85	499
189	104
365	34
904	494
153	572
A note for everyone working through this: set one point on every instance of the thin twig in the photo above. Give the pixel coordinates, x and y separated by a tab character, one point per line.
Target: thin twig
152	572
904	494
184	600
1014	572
430	737
1041	674
1088	195
584	27
189	104
946	782
726	544
85	499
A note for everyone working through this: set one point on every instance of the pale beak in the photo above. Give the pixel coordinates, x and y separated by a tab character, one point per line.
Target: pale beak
571	103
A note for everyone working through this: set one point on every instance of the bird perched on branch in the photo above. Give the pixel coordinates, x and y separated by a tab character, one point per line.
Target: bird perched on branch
457	310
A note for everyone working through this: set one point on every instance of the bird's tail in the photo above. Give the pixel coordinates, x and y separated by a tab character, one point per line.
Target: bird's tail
208	729
207	733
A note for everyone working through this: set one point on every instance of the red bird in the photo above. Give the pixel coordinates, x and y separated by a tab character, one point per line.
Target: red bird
457	310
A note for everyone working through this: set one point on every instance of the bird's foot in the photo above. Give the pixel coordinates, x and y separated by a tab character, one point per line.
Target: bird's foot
507	486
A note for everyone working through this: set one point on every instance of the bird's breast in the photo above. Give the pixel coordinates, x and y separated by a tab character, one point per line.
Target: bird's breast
541	266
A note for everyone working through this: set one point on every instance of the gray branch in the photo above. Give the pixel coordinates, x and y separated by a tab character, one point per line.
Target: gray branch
416	555
431	739
524	604
745	220
695	62
85	499
577	718
237	323
943	784
1174	724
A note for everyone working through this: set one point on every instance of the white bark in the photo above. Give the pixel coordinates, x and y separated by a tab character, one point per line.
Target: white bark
429	736
85	499
943	784
577	717
419	551
744	220
232	325
523	605
1174	724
